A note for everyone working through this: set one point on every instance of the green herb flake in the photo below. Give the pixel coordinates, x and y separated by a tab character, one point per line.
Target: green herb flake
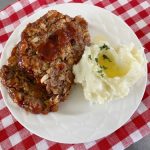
89	56
96	59
103	67
102	75
99	71
106	57
104	47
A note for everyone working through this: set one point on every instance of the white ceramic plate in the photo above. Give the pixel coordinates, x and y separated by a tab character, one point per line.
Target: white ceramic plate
77	121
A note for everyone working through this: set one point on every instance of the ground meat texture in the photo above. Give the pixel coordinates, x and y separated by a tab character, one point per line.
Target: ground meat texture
24	90
64	38
39	74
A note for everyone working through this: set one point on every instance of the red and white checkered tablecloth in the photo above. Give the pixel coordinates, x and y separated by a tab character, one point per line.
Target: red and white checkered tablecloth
136	13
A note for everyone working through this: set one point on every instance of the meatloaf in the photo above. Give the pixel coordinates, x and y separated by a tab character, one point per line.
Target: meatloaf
23	88
39	71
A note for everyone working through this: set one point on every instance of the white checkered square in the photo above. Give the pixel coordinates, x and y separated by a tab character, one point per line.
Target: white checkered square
66	1
70	148
17	6
88	2
118	146
132	12
142	108
148	35
31	1
110	7
15	139
136	136
23	19
89	144
42	145
141	24
7	121
123	2
9	28
145	5
3	15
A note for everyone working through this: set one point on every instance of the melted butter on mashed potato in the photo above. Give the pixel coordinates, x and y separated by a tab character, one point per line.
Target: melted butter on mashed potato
107	73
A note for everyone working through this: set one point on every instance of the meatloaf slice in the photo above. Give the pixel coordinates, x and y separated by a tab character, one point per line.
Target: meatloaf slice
39	71
49	54
24	90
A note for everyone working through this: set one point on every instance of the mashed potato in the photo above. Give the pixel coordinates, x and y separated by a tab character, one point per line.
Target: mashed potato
107	73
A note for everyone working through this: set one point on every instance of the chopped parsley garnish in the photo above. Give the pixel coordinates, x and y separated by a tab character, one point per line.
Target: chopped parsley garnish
106	57
102	75
103	67
96	59
89	56
99	71
104	47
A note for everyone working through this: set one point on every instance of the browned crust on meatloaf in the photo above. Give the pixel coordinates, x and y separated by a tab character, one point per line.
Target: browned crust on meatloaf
48	49
23	88
70	34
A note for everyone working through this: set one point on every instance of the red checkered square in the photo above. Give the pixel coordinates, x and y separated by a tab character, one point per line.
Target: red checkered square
139	121
99	4
4	38
3	135
104	144
28	142
122	133
95	147
65	146
56	147
14	17
28	9
4	112
120	10
136	14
